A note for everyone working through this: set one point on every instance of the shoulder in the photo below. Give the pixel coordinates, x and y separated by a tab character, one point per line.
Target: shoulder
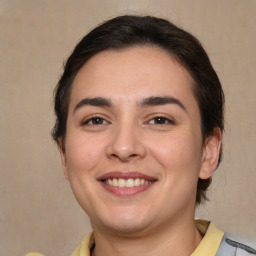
232	246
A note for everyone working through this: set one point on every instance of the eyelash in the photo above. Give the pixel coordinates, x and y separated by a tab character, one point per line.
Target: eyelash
98	119
157	120
163	120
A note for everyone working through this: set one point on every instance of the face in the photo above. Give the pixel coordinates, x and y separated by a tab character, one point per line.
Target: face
133	146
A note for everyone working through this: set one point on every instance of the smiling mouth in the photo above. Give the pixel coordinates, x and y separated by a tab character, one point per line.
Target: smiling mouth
127	183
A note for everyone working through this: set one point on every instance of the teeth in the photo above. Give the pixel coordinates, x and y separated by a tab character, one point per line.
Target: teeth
137	182
115	182
129	183
121	183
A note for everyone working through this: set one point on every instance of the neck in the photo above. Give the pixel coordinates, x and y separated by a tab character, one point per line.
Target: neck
174	239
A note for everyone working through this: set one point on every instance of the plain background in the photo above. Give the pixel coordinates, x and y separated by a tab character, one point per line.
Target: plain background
37	209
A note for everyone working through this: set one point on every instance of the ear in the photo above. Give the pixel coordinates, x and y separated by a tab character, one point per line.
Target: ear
210	155
61	148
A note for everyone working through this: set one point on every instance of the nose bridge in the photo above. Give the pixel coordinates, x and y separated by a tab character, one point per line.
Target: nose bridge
125	142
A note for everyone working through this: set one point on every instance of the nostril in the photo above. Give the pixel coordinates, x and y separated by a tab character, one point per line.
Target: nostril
124	157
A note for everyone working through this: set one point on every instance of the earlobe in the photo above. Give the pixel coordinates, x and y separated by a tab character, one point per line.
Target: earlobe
63	158
211	154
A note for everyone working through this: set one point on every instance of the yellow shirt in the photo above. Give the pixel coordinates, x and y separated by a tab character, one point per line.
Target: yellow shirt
208	246
210	243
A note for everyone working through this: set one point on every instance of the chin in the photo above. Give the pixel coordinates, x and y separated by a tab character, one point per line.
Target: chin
124	223
128	229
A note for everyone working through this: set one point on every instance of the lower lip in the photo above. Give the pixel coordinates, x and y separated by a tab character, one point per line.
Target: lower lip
124	191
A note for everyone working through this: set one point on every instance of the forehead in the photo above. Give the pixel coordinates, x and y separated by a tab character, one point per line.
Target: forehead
134	72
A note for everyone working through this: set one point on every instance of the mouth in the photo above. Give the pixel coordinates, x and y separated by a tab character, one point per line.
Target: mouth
126	183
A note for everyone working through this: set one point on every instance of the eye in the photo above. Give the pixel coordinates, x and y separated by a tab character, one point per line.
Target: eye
94	121
160	120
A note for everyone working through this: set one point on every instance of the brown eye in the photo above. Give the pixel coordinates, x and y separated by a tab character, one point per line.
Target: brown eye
95	121
160	120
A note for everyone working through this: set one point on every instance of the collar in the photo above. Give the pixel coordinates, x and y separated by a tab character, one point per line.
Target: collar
208	246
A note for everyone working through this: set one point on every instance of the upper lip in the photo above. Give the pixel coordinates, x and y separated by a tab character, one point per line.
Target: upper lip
125	175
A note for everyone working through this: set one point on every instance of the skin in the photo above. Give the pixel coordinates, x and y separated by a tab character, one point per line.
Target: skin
162	141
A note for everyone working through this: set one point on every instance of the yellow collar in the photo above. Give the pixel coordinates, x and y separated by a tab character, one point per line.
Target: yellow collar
211	240
207	247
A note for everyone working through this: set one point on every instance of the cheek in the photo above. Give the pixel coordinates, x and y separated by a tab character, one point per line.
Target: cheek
178	153
180	159
82	153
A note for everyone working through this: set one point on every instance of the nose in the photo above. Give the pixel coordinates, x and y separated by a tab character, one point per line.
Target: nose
126	144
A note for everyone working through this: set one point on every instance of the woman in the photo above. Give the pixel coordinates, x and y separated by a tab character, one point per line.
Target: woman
139	128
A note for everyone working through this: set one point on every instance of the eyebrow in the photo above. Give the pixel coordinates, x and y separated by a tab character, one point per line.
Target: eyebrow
150	101
97	102
155	101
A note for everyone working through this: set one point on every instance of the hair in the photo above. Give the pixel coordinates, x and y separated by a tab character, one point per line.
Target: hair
128	31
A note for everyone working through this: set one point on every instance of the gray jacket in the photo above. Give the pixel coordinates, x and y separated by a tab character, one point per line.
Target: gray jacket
232	247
